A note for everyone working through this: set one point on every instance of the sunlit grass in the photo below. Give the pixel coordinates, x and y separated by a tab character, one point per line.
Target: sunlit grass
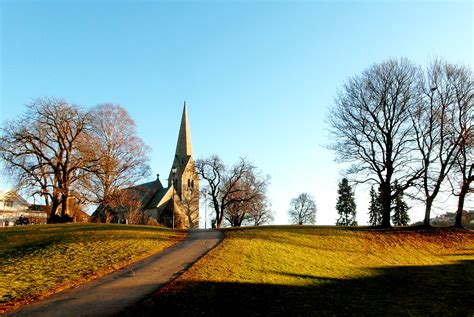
37	260
286	255
328	270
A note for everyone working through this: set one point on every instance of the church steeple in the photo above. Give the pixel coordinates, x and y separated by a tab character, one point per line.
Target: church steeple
183	147
183	156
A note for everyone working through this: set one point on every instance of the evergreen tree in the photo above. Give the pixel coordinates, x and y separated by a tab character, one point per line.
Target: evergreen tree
375	208
400	210
346	206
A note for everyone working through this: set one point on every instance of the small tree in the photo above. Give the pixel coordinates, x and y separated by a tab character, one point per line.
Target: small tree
261	214
346	206
400	211
375	208
302	210
231	190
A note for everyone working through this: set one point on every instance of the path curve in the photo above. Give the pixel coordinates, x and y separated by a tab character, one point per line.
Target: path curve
112	293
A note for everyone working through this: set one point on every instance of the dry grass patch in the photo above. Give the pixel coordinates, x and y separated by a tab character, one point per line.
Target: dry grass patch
40	260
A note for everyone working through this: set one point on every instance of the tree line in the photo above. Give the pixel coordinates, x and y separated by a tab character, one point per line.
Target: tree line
56	150
405	128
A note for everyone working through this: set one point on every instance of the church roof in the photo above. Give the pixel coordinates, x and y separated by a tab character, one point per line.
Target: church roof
156	198
147	191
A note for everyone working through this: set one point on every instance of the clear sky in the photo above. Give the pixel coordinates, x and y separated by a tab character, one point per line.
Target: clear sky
258	77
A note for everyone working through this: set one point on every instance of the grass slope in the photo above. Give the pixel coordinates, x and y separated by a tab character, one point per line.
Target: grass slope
325	271
39	260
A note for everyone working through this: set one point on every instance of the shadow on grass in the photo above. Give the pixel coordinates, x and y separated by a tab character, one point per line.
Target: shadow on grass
407	290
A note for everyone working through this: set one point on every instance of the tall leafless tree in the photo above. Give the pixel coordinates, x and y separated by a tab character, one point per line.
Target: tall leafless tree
46	140
441	121
462	176
224	185
120	156
303	209
248	210
371	127
464	173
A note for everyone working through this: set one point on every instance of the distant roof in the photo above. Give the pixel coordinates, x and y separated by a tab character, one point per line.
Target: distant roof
13	194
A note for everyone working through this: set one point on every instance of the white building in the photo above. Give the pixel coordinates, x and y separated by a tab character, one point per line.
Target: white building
12	206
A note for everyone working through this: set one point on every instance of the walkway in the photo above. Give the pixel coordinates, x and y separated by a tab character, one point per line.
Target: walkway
111	294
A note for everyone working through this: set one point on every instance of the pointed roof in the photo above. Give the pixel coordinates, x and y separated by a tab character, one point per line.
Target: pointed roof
183	147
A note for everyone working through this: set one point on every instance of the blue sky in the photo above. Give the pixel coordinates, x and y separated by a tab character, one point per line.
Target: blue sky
258	77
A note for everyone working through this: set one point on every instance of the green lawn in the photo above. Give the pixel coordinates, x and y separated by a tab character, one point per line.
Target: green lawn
303	271
39	260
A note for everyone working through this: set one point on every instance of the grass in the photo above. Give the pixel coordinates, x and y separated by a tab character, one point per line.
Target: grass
40	260
327	271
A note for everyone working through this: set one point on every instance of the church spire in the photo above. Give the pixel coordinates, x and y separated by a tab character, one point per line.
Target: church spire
183	147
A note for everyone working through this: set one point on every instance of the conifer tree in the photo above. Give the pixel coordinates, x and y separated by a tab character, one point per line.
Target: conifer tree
346	206
375	208
400	210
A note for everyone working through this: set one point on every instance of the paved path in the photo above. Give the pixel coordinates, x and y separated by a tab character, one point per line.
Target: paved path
113	293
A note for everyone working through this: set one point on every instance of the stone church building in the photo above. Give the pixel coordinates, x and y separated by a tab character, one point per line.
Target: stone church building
177	204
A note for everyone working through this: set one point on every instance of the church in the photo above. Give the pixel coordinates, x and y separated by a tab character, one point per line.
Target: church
177	205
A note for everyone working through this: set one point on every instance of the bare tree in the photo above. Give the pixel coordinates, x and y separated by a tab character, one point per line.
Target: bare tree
29	171
43	147
121	156
229	188
371	127
213	170
303	209
245	210
261	213
464	173
439	122
462	176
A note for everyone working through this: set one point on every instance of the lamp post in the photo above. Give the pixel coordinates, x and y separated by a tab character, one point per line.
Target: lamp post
173	171
204	192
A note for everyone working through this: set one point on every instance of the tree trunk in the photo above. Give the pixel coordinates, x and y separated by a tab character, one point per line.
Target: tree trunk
64	205
219	219
462	195
429	204
386	202
54	209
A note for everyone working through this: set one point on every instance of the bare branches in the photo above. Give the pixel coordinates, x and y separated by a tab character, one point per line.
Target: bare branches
235	192
371	127
441	121
302	209
42	148
119	156
56	147
395	122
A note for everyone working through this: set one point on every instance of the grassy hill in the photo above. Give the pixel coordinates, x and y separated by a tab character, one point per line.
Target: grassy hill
326	270
40	260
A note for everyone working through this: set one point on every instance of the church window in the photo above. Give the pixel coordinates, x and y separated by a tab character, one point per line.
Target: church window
192	183
189	183
8	203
